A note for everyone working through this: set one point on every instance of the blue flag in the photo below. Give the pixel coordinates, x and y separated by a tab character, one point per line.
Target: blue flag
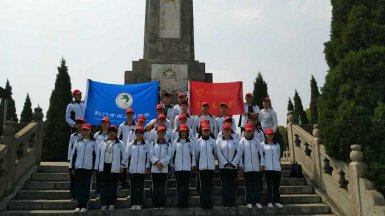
112	100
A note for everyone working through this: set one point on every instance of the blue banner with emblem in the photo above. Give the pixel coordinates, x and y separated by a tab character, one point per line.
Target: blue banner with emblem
112	100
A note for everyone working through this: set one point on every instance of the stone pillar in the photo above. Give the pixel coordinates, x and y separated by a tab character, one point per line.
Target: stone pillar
38	118
290	135
357	170
317	156
8	138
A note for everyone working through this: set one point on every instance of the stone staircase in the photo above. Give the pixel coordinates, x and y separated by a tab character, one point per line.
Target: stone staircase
46	193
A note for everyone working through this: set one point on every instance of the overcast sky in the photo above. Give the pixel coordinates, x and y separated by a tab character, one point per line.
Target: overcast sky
99	39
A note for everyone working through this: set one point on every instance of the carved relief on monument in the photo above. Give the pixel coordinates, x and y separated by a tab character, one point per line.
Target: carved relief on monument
172	77
169	18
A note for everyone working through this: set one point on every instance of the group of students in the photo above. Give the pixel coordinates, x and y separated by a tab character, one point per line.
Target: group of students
179	143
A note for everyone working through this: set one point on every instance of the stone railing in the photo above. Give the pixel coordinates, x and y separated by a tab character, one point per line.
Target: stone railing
343	186
20	152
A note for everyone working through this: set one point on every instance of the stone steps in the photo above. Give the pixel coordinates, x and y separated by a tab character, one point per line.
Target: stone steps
64	185
289	209
291	191
47	193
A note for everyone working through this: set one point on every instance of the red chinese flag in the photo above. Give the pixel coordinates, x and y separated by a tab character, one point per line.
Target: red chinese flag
216	93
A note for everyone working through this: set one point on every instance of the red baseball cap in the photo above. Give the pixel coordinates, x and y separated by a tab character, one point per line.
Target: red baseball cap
129	110
141	118
181	94
249	127
205	127
204	121
182	116
269	131
76	92
183	127
161	128
139	128
80	120
226	126
248	94
159	106
162	116
105	119
223	104
86	126
205	104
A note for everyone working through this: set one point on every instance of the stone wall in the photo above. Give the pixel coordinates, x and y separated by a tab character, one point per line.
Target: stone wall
343	186
20	151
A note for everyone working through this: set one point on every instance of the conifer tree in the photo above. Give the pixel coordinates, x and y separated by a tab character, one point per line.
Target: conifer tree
11	108
298	109
290	105
314	97
57	132
26	114
260	91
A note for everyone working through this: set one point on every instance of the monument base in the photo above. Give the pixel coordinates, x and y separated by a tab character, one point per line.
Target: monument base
173	76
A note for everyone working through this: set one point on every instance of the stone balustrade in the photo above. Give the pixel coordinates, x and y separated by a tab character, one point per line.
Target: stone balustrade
343	186
20	151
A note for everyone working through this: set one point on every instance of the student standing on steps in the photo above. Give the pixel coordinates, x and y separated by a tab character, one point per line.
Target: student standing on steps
110	162
101	136
75	110
228	147
205	151
138	166
82	165
272	152
252	163
73	140
249	108
184	160
160	155
204	116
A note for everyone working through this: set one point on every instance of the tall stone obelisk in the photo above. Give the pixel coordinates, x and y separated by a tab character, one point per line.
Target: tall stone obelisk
168	54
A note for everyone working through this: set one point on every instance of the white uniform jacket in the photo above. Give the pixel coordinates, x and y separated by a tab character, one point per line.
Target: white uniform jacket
228	148
119	159
75	110
73	139
272	153
183	155
205	152
268	119
126	131
83	155
199	118
138	157
218	125
251	155
245	117
161	152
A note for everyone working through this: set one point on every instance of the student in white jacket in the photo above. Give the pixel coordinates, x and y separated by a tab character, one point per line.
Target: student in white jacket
175	133
110	162
272	152
161	121
160	155
138	166
219	121
73	140
228	120
228	146
101	136
205	152
184	160
258	132
82	165
252	163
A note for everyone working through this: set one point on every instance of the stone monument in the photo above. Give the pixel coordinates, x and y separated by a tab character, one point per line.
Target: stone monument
168	54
